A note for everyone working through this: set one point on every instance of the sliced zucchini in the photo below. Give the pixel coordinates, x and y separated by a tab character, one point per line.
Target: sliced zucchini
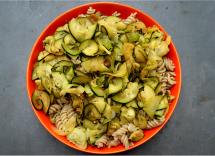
63	63
69	73
115	85
60	34
124	38
118	51
78	138
51	97
159	113
100	80
107	113
34	73
151	105
88	123
81	79
59	80
88	90
115	120
93	139
37	103
42	55
58	43
97	91
111	32
80	31
133	36
84	21
45	100
128	94
91	112
56	92
104	40
44	69
112	20
100	104
151	65
163	104
47	84
49	39
85	58
120	44
158	89
68	39
88	47
70	49
147	93
139	48
152	81
136	136
134	104
81	73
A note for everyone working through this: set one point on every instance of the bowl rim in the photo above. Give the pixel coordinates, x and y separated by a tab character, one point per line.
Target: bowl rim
102	152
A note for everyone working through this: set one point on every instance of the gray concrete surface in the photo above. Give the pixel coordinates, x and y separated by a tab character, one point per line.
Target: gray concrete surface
190	129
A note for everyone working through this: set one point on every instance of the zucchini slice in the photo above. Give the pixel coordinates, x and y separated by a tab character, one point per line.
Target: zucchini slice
147	93
152	81
151	105
34	73
68	39
63	63
49	39
88	47
47	84
37	103
70	49
111	32
40	98
100	103
163	104
80	31
84	21
97	91
78	138
42	55
56	92
60	34
112	20
44	69
123	38
91	112
128	94
69	73
115	86
158	89
159	113
81	79
58	43
59	80
88	124
139	48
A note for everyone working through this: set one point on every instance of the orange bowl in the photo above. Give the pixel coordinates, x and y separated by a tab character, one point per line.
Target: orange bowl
106	8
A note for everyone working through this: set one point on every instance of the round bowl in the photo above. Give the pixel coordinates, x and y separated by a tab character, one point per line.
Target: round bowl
106	8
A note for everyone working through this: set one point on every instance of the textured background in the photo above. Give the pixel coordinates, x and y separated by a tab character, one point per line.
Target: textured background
190	129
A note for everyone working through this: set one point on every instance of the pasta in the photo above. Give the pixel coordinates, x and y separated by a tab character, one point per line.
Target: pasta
155	122
101	142
116	14
103	81
131	19
54	108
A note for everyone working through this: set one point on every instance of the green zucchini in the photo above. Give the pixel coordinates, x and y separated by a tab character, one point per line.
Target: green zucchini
158	89
59	79
60	34
91	112
100	104
69	73
68	39
81	79
151	81
128	94
88	123
163	104
42	55
34	73
133	36
115	85
88	47
80	31
147	93
70	49
124	38
37	103
93	139
97	91
47	84
159	113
